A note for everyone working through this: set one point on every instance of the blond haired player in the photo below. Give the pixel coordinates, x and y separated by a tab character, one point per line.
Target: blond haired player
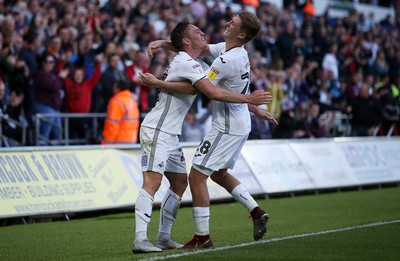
162	153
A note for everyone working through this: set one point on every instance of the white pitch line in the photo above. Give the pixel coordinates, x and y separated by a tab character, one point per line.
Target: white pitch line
195	252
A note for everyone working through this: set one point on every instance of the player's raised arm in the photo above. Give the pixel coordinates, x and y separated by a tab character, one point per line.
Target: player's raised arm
149	79
219	94
167	45
163	44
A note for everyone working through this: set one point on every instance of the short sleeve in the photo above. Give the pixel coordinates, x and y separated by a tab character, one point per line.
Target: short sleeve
192	70
216	49
219	70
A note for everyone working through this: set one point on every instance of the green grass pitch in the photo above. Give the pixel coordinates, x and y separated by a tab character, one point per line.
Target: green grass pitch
110	237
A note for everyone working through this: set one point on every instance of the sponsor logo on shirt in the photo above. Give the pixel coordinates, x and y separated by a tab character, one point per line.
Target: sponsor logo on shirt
213	73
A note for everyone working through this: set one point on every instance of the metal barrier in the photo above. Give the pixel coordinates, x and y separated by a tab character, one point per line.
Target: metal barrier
11	141
341	127
378	131
65	138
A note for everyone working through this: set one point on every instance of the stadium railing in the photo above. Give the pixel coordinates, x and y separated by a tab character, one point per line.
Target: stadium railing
7	141
341	127
92	132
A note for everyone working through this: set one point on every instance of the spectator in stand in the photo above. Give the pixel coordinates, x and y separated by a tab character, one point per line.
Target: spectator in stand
304	87
307	36
366	113
394	65
193	127
48	88
66	38
302	127
380	66
78	98
29	54
286	44
330	63
111	49
54	49
266	44
388	95
353	86
344	60
122	122
275	82
18	83
140	65
85	26
109	77
11	110
87	52
86	59
129	53
291	85
371	49
318	128
287	121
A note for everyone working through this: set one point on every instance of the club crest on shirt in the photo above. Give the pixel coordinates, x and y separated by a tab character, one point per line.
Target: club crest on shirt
198	68
213	73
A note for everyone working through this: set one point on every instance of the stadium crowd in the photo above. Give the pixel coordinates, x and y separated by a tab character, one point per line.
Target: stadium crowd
65	56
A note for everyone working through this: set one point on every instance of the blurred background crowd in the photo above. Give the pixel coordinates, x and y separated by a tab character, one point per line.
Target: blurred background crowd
329	76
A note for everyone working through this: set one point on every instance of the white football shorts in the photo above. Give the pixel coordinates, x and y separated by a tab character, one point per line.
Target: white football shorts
218	151
162	152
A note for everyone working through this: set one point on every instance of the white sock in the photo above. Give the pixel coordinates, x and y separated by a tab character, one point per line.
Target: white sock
240	194
201	217
169	209
143	209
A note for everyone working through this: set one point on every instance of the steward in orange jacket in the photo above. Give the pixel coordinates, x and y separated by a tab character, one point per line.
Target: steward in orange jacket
122	122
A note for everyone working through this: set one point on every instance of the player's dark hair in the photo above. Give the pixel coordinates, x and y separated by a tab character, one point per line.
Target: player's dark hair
251	25
178	33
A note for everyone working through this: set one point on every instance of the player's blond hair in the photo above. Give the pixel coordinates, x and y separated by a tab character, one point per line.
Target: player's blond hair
251	25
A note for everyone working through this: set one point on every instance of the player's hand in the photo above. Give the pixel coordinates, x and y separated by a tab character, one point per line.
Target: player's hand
267	116
259	97
153	46
147	79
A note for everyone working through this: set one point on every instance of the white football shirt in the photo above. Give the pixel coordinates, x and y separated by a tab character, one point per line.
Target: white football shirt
170	110
231	71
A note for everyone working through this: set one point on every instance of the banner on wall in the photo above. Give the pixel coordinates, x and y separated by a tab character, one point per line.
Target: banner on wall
373	161
75	180
132	160
276	167
44	182
325	164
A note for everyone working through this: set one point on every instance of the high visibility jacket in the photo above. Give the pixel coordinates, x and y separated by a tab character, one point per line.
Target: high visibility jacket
254	3
122	122
309	8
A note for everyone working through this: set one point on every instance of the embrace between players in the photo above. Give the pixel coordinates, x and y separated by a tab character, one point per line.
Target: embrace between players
227	83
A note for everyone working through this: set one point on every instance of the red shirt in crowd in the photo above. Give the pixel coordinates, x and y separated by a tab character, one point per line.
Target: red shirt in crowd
143	90
78	97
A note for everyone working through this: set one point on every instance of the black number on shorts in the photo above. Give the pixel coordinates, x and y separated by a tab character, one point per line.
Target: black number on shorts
205	147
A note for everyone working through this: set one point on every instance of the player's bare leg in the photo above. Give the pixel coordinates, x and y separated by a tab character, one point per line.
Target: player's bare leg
201	210
240	194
